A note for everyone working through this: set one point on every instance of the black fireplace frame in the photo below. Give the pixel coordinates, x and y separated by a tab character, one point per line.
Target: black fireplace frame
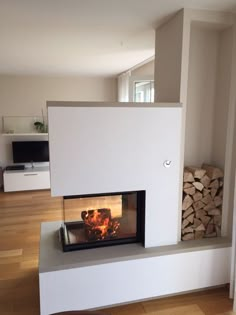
140	223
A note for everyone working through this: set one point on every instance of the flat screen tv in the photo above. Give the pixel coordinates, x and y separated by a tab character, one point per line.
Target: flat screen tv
30	151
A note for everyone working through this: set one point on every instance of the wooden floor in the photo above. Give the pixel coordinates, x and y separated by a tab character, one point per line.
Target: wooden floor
20	218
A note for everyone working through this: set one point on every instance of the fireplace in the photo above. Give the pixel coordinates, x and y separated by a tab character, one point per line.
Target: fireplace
121	149
103	220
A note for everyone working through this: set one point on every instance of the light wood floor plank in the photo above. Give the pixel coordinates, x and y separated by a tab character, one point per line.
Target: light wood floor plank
11	253
181	310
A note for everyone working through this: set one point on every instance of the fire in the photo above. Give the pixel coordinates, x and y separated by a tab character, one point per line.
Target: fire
99	224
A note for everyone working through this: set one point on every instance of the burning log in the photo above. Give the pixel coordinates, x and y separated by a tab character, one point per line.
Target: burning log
99	225
202	202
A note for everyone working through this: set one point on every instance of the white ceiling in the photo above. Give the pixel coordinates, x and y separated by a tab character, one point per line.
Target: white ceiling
84	37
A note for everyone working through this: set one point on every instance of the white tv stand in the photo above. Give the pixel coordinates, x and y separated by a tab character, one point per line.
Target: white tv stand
28	179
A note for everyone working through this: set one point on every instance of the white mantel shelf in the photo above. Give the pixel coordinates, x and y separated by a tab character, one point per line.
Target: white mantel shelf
52	258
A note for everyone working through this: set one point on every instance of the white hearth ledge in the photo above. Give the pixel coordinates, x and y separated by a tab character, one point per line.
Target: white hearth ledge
52	258
102	277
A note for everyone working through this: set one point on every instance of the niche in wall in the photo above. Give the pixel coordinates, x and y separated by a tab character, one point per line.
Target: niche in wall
208	97
208	94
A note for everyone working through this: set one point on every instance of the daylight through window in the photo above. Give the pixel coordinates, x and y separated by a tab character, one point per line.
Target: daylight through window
144	91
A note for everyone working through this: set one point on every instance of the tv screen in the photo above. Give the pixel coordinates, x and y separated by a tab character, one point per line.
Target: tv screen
30	151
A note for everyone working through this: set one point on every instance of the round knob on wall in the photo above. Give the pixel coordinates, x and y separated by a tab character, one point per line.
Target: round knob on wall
167	163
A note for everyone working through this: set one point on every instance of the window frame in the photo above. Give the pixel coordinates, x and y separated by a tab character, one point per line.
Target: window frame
133	80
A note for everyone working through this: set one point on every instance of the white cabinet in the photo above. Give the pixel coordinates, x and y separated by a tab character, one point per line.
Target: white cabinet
27	179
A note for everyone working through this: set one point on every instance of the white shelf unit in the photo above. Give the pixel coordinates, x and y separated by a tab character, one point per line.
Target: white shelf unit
21	128
28	179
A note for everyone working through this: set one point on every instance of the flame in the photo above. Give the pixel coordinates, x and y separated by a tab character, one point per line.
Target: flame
99	225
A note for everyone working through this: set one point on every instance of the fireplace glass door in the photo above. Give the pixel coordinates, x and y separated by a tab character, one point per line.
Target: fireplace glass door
102	220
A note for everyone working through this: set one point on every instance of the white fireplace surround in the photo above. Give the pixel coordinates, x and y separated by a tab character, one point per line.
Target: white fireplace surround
115	147
100	148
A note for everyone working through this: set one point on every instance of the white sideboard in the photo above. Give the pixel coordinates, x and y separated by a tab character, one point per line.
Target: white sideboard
27	179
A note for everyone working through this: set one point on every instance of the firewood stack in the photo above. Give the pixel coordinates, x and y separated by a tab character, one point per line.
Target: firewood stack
202	202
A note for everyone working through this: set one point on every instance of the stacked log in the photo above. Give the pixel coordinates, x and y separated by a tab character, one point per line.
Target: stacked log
202	202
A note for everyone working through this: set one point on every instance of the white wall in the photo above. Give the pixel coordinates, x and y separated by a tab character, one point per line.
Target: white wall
171	72
168	60
222	97
230	152
201	95
208	95
145	70
27	95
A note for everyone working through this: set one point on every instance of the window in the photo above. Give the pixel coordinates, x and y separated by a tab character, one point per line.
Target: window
144	91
